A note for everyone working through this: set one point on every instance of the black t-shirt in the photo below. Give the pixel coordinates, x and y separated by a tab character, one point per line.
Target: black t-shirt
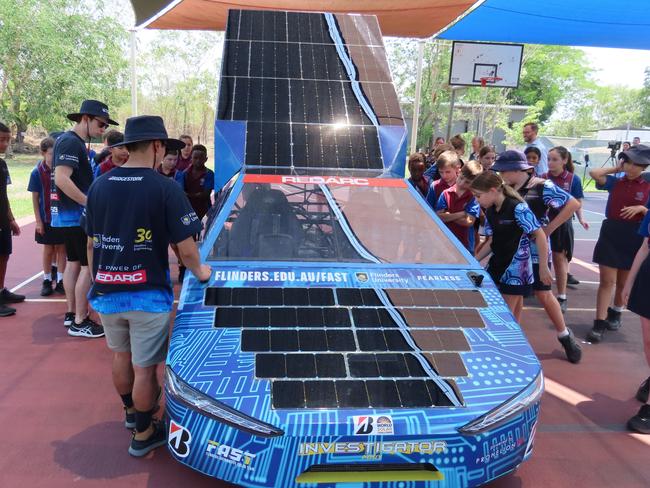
69	150
4	201
132	215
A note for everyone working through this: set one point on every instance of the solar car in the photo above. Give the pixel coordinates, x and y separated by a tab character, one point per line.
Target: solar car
345	335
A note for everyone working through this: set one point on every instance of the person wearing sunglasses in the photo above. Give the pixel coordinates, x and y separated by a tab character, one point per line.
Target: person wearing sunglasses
71	177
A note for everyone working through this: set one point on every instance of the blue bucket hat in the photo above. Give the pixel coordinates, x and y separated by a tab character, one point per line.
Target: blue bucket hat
639	155
94	108
511	160
145	128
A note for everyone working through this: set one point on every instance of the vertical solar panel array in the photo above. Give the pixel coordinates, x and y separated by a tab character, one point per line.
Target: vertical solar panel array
313	89
326	347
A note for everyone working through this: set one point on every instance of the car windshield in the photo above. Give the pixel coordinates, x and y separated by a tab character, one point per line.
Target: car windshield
336	223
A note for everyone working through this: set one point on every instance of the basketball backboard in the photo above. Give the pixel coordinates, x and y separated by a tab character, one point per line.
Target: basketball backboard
473	61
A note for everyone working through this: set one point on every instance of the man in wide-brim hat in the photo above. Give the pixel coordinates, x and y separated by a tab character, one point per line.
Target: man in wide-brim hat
71	177
132	215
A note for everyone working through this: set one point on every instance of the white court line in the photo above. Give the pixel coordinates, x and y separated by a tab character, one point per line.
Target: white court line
45	300
585	265
592	212
587	240
26	282
573	398
571	309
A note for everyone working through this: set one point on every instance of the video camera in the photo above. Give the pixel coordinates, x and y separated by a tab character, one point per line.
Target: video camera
614	145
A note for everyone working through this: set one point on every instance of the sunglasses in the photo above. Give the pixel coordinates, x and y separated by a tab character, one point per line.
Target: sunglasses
101	123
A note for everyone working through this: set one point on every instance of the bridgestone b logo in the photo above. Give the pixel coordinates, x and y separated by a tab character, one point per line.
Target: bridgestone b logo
121	278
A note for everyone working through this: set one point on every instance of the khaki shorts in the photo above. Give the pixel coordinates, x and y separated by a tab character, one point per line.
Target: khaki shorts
143	334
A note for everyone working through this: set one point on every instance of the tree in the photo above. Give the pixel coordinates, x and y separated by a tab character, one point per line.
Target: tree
54	55
644	99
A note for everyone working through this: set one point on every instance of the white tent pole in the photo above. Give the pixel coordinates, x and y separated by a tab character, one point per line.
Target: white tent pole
134	75
416	105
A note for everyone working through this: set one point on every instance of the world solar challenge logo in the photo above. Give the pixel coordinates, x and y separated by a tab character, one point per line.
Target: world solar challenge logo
373	425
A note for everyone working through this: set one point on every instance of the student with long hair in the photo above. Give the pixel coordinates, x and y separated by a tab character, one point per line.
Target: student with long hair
486	157
618	241
562	173
509	225
542	196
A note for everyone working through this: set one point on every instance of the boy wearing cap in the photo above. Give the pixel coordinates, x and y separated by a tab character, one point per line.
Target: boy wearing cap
71	177
542	196
619	240
8	227
132	215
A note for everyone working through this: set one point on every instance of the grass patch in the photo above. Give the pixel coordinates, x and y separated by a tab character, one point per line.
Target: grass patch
20	167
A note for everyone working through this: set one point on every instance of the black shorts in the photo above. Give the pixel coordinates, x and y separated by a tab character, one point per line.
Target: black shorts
520	290
617	244
537	284
75	241
562	239
51	237
5	242
638	301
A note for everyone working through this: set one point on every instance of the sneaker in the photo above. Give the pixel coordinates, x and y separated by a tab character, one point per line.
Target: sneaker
641	421
563	304
87	328
6	311
597	332
68	319
643	392
181	274
129	418
157	439
571	347
46	289
613	319
8	297
59	288
571	280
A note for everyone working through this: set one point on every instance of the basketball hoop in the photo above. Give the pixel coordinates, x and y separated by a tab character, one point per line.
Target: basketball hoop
489	80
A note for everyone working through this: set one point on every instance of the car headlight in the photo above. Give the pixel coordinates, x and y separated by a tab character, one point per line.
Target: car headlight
214	409
499	415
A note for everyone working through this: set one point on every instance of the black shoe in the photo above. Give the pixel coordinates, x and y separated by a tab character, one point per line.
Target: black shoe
643	392
129	418
641	421
571	347
597	332
8	297
571	280
87	328
181	274
157	439
613	319
563	304
59	288
46	289
68	319
6	311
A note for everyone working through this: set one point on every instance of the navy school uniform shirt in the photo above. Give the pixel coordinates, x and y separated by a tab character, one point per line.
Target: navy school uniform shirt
5	180
69	150
570	183
39	182
133	214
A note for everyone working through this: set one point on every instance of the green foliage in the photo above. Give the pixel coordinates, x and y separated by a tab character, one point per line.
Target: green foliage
55	54
644	99
514	134
550	74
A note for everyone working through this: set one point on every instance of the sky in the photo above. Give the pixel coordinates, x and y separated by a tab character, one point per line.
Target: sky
618	66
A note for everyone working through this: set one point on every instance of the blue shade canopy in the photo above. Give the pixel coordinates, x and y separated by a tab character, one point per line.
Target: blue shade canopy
598	23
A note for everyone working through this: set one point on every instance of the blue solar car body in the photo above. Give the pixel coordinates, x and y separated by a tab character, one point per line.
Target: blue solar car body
345	336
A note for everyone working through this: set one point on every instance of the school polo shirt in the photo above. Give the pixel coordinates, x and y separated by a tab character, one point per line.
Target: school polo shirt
193	181
644	228
69	150
624	192
451	202
39	182
132	215
570	183
435	190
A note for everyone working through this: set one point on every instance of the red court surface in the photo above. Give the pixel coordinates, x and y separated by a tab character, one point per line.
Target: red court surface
63	424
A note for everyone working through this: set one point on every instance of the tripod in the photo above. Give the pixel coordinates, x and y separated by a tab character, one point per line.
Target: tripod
610	160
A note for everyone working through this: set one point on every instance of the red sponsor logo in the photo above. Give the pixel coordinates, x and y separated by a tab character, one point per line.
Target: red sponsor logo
121	277
54	196
325	180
